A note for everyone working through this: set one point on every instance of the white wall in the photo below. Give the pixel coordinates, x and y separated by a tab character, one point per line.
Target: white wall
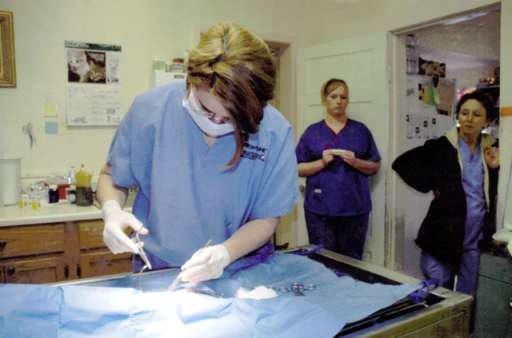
365	17
506	122
144	29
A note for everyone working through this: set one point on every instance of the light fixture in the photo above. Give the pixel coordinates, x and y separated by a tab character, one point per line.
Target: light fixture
463	18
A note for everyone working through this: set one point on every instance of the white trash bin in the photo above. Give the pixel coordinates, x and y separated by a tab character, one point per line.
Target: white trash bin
10	173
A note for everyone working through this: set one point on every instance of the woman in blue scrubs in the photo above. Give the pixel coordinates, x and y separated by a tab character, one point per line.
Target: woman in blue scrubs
212	161
336	155
461	170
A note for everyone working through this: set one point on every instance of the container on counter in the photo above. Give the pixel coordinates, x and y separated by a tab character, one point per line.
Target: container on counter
10	187
84	196
53	195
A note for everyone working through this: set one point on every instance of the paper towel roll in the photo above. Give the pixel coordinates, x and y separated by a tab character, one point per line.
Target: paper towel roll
9	180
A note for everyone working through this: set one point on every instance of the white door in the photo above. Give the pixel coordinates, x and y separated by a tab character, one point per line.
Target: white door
362	63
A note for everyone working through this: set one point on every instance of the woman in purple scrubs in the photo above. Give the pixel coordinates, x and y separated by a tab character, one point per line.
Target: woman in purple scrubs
336	155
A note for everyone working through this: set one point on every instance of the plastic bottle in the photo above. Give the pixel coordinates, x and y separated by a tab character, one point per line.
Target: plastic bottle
71	175
71	193
24	201
35	201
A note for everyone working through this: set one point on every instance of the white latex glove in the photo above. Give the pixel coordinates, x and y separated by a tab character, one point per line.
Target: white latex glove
116	221
206	263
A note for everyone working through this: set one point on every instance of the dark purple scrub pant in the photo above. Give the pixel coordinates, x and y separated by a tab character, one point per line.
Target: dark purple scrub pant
345	235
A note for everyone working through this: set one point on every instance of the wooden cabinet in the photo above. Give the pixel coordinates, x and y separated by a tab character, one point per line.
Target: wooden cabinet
95	259
91	234
104	263
45	253
31	240
33	270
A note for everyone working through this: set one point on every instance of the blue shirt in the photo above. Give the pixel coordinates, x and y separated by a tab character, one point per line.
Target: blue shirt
473	184
186	195
338	189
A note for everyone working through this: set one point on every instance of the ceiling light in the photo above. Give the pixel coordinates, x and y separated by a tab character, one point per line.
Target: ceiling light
464	18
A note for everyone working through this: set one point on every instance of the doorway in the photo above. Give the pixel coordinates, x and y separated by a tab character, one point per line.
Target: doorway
361	62
433	65
284	236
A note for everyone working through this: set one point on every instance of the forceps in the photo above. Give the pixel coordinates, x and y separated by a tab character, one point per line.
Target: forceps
142	254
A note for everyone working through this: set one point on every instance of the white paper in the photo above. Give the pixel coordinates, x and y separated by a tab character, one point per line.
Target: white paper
93	105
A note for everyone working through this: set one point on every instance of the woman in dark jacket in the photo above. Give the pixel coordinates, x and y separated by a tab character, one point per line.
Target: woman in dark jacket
461	169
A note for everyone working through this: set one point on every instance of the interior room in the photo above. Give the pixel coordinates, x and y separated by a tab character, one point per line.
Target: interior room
138	194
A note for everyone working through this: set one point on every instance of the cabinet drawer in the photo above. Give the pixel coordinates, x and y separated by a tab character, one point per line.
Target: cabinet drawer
104	263
35	270
31	240
91	234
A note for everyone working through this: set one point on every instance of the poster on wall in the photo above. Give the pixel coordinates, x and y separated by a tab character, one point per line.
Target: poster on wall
93	86
447	97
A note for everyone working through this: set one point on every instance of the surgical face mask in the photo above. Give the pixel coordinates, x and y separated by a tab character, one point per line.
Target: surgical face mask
200	117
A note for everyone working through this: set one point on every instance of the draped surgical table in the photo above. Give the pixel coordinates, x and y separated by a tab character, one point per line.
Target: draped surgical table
443	313
349	298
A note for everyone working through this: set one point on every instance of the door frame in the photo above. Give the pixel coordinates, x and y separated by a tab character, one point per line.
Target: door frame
394	232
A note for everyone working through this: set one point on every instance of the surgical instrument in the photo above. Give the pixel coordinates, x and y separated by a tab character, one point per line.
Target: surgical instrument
142	254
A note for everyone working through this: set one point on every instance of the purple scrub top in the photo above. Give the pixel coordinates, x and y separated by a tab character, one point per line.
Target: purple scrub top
338	189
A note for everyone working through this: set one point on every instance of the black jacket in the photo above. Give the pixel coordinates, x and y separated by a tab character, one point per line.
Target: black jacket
435	167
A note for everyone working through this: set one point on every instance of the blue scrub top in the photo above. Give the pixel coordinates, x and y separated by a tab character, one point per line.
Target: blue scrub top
338	189
186	195
473	184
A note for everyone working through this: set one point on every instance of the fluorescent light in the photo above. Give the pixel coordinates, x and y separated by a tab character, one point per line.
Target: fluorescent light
463	18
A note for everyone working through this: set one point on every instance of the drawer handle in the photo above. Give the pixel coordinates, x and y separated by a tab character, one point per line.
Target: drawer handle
11	270
66	271
2	244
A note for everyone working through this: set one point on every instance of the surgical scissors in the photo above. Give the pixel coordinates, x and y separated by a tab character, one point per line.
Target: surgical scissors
142	254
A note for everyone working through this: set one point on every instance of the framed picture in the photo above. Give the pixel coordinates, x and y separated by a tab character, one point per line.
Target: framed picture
7	61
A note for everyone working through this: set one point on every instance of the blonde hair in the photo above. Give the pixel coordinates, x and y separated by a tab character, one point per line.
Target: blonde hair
331	85
240	70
